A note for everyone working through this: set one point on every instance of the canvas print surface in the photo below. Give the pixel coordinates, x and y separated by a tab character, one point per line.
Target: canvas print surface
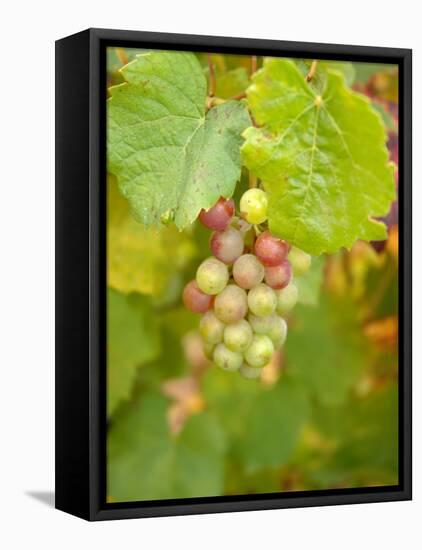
252	274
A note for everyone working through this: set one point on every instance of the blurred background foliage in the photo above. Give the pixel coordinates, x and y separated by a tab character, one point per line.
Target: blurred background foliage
324	413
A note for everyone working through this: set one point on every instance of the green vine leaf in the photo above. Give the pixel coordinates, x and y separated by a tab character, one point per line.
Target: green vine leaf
146	462
266	428
335	352
132	340
365	432
322	157
166	151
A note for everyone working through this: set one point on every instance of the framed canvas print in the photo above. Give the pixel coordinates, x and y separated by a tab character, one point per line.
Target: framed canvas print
233	274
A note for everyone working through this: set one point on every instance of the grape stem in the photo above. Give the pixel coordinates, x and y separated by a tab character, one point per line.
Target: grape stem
254	64
212	81
214	101
253	180
241	95
121	54
312	70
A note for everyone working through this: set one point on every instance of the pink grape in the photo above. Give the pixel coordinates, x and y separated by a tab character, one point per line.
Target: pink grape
194	299
278	276
227	245
270	250
231	304
219	216
248	271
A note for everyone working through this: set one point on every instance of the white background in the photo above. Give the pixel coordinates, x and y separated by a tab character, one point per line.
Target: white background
27	272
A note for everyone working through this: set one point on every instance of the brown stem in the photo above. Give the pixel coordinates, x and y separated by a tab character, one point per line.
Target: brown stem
241	95
213	102
121	54
253	180
254	64
212	83
312	71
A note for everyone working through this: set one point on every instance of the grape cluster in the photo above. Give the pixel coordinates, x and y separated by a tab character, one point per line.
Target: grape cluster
245	287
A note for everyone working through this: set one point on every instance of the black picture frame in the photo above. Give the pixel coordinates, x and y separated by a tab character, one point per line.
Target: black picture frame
80	274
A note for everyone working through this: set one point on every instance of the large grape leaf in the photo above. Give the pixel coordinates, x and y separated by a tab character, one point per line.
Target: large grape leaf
167	152
326	349
116	58
132	339
364	435
322	158
145	462
139	257
274	425
318	80
263	424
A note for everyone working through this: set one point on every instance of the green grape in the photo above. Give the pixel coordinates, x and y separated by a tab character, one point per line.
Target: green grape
227	359
286	298
249	372
208	349
262	325
300	261
231	304
211	328
260	351
212	276
278	332
238	336
253	205
262	300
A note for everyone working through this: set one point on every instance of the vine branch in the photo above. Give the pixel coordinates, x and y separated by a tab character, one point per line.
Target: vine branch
212	83
122	57
253	180
312	70
254	64
241	95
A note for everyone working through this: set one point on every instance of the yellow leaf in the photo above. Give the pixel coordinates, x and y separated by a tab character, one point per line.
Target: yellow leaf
140	259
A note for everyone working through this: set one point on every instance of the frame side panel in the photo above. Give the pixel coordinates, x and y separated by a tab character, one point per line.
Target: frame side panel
405	274
72	281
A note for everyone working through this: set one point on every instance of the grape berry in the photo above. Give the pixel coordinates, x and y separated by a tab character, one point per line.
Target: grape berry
245	288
